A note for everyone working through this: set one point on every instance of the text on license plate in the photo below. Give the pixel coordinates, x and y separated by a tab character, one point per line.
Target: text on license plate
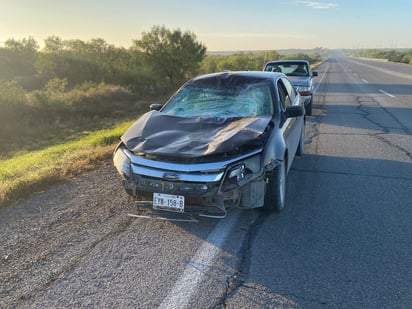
168	202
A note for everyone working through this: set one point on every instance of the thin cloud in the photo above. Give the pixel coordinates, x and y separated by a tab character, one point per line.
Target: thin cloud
318	5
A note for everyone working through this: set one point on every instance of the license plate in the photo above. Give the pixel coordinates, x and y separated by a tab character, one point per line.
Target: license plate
175	203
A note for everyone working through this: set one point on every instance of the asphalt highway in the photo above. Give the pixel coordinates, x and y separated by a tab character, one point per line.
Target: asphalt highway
345	240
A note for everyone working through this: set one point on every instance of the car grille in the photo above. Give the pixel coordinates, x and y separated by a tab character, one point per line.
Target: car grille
174	187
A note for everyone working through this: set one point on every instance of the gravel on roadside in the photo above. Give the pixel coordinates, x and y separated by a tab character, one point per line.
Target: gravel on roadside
45	236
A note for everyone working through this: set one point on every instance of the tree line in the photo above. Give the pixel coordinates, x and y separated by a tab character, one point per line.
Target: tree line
158	62
402	56
159	58
72	79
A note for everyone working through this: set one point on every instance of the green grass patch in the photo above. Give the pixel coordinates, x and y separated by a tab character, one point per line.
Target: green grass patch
30	172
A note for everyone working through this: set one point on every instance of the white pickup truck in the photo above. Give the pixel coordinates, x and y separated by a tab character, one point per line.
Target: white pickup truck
300	74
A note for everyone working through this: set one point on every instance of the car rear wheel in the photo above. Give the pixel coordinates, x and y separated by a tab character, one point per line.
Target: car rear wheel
301	147
276	189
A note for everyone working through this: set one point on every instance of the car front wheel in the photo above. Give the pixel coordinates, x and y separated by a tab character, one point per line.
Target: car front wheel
276	189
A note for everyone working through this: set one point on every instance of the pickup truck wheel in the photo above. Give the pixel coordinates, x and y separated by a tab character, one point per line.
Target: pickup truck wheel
276	189
308	107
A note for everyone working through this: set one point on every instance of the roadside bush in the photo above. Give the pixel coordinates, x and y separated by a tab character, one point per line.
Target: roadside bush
30	119
394	56
48	104
12	102
100	100
407	59
86	101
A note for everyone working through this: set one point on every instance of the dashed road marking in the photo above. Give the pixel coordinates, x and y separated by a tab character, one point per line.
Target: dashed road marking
315	89
386	93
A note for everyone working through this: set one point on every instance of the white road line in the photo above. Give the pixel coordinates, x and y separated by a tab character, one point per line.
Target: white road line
386	93
365	81
398	74
187	284
315	89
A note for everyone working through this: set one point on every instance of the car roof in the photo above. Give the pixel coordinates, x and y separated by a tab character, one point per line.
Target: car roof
246	74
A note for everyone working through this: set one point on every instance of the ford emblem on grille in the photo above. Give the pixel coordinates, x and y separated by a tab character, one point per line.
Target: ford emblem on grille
171	176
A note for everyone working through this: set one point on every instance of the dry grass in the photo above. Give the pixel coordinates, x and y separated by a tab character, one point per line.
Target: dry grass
31	172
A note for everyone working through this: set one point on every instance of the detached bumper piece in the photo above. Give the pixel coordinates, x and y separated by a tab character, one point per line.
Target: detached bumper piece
144	209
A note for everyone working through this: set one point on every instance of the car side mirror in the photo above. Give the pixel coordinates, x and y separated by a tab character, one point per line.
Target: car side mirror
294	111
314	74
155	107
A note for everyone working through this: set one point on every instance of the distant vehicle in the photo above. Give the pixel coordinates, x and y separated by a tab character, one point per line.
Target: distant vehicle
222	140
300	74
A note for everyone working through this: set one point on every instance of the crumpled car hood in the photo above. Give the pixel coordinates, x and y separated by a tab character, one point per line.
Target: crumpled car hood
161	134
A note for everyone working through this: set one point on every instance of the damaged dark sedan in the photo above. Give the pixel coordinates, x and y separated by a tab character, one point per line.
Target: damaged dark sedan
222	140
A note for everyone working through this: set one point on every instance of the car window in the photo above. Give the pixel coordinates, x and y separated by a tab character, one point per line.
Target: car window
214	99
283	95
291	92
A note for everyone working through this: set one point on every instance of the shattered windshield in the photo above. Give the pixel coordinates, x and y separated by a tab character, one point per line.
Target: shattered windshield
214	98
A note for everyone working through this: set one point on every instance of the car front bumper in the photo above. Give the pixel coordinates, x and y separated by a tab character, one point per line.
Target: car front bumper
208	187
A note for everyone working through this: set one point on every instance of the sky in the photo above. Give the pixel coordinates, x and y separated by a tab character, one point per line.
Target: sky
221	25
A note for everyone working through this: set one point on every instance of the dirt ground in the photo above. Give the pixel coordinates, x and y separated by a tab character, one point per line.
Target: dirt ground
45	236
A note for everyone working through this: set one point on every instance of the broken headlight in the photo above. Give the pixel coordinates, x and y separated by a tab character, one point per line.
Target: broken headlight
122	162
241	173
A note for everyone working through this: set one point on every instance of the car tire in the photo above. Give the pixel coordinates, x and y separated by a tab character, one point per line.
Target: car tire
308	107
301	147
276	189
